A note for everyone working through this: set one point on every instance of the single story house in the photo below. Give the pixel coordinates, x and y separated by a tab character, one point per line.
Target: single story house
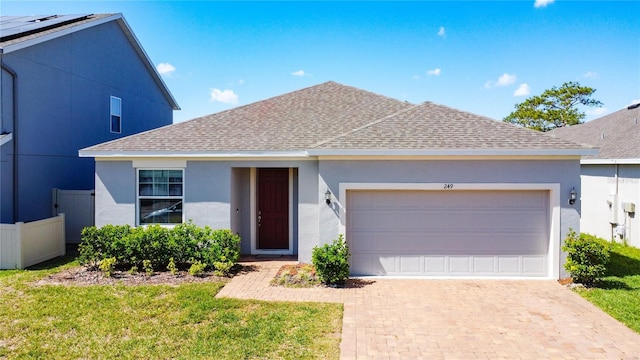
417	190
610	179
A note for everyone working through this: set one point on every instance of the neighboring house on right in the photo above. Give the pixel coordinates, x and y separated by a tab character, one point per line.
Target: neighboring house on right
611	179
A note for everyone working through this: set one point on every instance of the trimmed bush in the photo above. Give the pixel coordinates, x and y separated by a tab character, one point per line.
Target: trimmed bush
332	261
587	257
155	247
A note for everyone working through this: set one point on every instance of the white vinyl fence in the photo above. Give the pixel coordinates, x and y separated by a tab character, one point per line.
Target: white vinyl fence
26	244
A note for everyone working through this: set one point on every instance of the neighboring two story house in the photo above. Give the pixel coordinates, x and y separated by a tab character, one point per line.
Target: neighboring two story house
68	82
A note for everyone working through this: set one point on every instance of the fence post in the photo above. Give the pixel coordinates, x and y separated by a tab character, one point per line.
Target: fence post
20	257
63	239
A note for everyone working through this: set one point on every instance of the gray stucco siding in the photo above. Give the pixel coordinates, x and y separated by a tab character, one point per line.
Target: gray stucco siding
599	183
563	172
115	191
216	194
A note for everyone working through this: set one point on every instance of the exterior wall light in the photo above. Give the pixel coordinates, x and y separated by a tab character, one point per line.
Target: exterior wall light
327	197
573	195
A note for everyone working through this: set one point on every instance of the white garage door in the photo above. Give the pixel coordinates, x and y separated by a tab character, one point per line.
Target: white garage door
448	233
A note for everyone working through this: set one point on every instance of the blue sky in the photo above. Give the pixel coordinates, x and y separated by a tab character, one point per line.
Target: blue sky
481	57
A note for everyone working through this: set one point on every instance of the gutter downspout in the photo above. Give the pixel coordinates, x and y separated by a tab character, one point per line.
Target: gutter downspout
14	128
613	227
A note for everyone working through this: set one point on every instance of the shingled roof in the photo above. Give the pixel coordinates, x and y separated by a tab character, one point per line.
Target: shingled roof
331	116
617	135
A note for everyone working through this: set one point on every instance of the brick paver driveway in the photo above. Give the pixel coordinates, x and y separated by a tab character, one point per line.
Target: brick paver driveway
456	319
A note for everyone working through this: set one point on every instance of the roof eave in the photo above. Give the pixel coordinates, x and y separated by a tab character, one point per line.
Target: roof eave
116	154
622	161
453	152
109	154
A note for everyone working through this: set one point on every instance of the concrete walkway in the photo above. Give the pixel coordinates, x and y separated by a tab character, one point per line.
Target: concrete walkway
455	319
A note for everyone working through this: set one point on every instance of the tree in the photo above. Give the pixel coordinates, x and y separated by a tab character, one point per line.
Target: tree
556	107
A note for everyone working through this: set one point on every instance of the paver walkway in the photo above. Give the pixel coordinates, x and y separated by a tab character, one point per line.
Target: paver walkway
455	319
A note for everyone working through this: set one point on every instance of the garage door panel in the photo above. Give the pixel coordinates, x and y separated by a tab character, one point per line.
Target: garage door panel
445	243
448	233
423	220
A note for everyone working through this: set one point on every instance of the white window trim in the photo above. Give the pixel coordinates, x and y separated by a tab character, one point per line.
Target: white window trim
138	197
553	263
111	114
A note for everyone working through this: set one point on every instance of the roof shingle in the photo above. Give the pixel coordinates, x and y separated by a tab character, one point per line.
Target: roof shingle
334	116
617	134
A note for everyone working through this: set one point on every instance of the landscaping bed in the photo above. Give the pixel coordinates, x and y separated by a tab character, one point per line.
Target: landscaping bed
81	276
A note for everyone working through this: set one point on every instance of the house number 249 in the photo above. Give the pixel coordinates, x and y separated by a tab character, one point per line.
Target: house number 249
448	186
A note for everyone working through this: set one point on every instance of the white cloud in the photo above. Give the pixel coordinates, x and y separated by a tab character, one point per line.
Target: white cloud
590	75
165	69
542	3
434	72
441	31
241	81
224	96
599	111
522	90
298	73
504	80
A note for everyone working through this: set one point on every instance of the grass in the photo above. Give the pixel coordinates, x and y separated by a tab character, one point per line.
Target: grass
147	321
618	293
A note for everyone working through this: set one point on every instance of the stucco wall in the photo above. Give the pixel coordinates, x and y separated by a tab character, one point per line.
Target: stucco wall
217	194
564	172
64	88
115	193
598	184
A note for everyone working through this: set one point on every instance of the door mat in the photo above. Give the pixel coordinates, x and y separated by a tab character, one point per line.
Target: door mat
268	256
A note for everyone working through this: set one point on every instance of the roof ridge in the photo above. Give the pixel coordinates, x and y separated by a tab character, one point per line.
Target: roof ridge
362	127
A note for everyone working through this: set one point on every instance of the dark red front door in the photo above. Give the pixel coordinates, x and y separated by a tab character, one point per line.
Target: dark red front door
273	209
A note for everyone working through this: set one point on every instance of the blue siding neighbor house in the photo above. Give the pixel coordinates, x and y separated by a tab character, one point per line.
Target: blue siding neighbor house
68	82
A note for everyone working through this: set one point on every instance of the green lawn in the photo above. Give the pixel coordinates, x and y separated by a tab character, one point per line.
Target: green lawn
618	293
147	321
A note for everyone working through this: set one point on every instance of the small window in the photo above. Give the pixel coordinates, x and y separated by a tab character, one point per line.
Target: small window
160	196
116	115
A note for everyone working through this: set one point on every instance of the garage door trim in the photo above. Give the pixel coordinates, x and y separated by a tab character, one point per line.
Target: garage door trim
553	270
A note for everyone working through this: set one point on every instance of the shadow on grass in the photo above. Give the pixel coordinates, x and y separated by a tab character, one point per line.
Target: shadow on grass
620	265
610	284
54	263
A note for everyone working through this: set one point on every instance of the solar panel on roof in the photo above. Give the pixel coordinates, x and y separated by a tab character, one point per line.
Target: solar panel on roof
12	26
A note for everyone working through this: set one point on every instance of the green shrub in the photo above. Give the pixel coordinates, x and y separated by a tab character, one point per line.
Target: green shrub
184	240
587	257
131	246
220	249
107	266
148	268
332	261
98	243
172	267
197	268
